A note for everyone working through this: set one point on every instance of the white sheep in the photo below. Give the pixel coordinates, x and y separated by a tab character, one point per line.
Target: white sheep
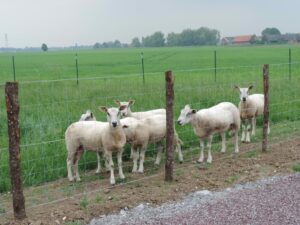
206	122
96	136
150	130
126	112
88	116
250	107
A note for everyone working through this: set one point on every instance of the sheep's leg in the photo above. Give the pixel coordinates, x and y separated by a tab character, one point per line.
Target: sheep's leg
180	157
131	153
209	157
111	167
253	125
119	156
70	160
236	139
135	156
142	159
201	158
243	139
248	130
98	163
159	152
269	128
223	142
76	160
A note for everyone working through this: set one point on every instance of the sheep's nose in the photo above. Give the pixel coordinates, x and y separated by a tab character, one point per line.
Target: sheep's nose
244	99
114	124
179	122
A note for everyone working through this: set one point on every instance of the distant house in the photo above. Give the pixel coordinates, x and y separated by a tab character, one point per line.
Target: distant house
282	38
245	39
226	41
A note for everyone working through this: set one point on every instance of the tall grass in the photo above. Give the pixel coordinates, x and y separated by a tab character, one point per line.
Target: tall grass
47	108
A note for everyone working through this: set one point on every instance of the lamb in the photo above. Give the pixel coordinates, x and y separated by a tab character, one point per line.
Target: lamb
138	115
250	107
206	122
97	136
140	133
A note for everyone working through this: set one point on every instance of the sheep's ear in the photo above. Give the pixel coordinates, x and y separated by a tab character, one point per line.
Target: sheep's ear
118	102
131	102
236	87
122	107
92	115
194	111
103	109
250	87
187	106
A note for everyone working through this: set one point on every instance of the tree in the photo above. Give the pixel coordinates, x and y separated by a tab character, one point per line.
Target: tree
155	40
270	31
44	47
97	45
135	43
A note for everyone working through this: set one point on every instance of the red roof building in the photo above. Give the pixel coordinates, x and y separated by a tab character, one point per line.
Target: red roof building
245	39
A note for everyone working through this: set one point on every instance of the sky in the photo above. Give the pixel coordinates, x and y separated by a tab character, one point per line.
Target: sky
29	23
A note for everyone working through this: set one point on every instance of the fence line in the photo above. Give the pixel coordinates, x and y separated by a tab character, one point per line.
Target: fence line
180	166
112	76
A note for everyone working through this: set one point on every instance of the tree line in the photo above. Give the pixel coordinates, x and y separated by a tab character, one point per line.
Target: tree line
188	37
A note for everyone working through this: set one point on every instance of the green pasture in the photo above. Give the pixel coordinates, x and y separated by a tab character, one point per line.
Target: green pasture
48	107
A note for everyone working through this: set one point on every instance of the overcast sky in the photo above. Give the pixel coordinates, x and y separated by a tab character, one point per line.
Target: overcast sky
66	22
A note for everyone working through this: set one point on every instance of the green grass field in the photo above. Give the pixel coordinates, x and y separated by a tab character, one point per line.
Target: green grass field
48	107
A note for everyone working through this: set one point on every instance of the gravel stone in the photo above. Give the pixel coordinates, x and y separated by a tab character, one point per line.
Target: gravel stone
271	201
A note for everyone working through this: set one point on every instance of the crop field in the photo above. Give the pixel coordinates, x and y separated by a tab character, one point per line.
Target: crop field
50	99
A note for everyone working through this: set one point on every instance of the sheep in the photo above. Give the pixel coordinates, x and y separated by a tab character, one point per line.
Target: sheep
98	136
150	130
250	106
88	116
206	122
138	115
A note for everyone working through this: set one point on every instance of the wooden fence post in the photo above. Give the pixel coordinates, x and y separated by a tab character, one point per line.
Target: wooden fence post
12	108
170	126
266	107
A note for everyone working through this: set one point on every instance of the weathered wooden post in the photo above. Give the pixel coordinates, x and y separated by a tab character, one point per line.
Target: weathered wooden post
266	107
170	126
12	108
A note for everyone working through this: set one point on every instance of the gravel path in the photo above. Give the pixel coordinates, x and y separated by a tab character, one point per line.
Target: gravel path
275	200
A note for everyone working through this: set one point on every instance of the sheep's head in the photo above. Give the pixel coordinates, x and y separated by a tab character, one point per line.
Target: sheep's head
127	105
244	92
88	116
186	115
113	115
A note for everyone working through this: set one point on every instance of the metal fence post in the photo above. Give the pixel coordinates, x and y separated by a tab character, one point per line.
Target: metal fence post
12	108
14	68
290	64
76	62
170	126
266	107
143	68
215	57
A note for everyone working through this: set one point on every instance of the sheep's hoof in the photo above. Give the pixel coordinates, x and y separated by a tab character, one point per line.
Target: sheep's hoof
180	162
134	171
223	151
141	171
97	172
199	161
71	179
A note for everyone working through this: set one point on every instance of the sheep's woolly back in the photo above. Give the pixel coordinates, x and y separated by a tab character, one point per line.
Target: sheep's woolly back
254	106
146	114
221	117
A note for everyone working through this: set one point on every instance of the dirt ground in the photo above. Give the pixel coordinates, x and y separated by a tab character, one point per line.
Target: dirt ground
99	198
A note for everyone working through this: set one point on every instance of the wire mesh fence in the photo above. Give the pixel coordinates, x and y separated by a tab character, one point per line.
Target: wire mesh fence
49	107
